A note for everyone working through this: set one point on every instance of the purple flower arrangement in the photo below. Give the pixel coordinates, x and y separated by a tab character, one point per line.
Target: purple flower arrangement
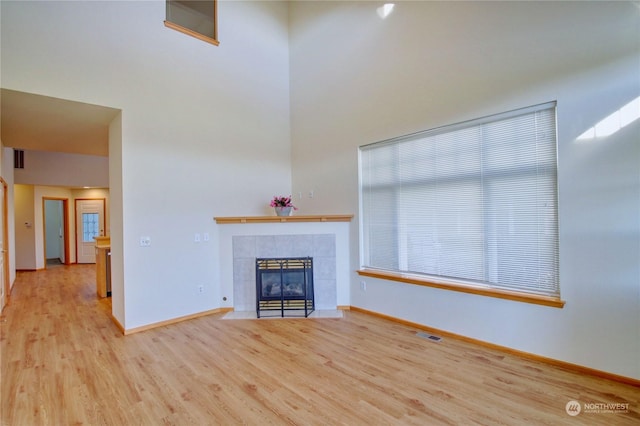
282	201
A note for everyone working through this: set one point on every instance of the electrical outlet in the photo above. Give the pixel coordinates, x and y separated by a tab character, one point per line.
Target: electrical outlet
363	285
205	237
145	241
200	289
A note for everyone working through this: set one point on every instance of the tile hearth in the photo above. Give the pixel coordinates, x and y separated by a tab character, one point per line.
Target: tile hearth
252	315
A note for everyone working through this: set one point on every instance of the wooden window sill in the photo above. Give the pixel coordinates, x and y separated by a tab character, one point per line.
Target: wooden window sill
191	33
490	292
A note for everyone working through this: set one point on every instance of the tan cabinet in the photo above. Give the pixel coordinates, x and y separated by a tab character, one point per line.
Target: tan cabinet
103	266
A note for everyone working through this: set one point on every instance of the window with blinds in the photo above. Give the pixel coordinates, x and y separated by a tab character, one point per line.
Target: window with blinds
473	203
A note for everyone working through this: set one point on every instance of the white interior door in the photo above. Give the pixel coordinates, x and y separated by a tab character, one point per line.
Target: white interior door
89	224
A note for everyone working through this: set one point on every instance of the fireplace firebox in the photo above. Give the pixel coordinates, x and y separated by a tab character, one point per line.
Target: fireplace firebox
284	285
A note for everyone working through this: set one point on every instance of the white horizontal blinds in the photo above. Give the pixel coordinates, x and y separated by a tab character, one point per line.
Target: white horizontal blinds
472	202
379	177
441	204
520	199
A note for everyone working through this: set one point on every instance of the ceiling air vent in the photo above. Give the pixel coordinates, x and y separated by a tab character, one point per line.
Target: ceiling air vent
18	159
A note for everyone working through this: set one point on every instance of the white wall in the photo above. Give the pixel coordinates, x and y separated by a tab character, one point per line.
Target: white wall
204	129
25	235
358	79
63	169
115	215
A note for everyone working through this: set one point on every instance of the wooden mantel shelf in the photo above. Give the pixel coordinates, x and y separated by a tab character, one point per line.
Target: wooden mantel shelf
284	219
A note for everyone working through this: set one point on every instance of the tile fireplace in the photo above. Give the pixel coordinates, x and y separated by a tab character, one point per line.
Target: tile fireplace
246	249
244	239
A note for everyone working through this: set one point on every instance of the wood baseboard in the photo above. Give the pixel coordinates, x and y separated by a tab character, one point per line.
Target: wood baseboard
557	363
129	331
117	323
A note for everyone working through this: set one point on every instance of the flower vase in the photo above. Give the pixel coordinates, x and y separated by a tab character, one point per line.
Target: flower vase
283	211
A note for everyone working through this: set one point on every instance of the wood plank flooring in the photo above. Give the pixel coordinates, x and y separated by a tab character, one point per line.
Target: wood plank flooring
65	363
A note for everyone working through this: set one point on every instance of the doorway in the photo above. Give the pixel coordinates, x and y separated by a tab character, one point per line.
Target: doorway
5	285
89	224
56	231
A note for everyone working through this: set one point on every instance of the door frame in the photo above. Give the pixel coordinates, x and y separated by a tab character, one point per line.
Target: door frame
65	228
5	242
75	215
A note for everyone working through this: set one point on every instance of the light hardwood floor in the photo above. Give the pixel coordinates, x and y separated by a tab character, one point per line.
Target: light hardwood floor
65	363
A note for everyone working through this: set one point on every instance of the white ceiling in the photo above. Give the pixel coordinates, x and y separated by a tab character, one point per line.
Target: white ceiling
41	123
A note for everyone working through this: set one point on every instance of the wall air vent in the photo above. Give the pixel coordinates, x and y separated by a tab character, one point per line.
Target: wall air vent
18	159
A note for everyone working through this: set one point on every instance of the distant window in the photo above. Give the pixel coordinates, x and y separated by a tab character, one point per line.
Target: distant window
198	19
473	203
90	227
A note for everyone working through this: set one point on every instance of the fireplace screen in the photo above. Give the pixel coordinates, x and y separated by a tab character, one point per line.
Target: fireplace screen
285	285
